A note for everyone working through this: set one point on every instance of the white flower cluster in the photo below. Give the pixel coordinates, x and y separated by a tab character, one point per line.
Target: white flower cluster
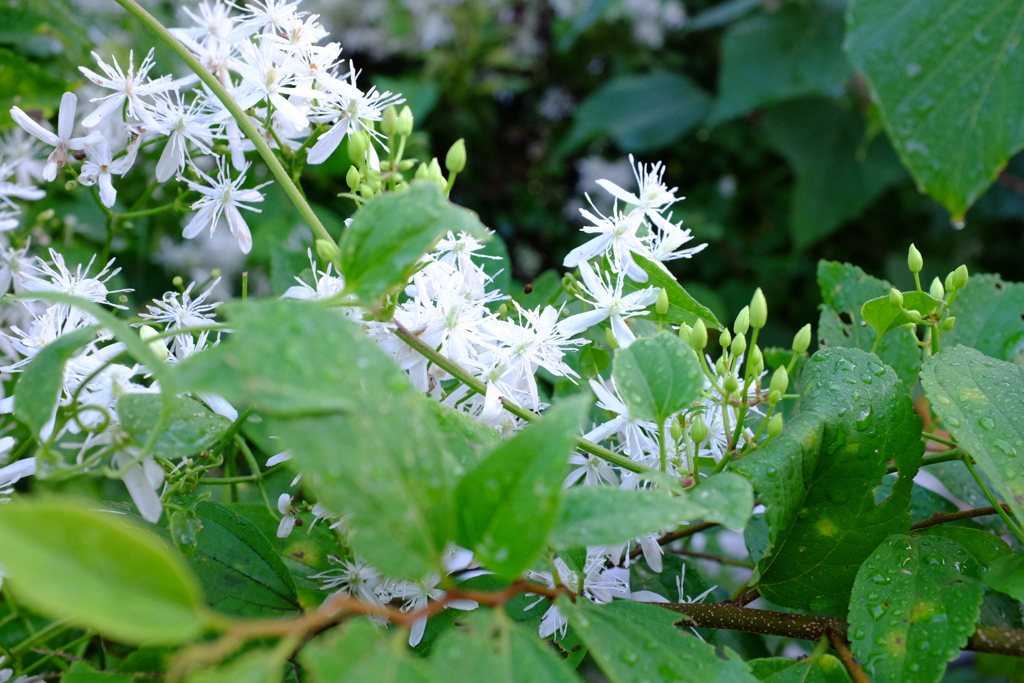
268	58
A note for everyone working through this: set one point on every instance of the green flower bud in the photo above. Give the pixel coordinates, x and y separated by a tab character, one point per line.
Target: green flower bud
327	250
365	191
950	287
742	323
758	310
896	297
406	164
502	310
178	282
352	178
755	361
358	143
435	174
157	346
405	121
661	305
780	380
960	276
948	323
389	121
775	425
70	185
685	333
915	315
915	262
699	336
675	430
802	339
698	429
401	187
936	290
738	346
422	171
774	396
725	339
609	338
720	366
455	160
731	384
45	215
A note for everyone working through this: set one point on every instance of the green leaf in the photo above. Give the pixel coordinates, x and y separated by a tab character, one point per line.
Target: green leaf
824	143
821	669
381	248
507	504
988	315
933	68
914	604
359	652
986	548
1006	575
923	502
26	84
657	376
241	572
365	441
844	290
635	641
682	308
722	14
256	666
781	55
91	568
640	112
816	478
978	400
884	317
725	498
491	647
190	427
81	672
38	390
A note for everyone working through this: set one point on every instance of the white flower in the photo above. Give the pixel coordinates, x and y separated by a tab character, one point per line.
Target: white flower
100	167
417	595
653	196
180	123
15	472
616	238
284	506
62	140
142	480
224	197
128	87
608	303
666	242
264	79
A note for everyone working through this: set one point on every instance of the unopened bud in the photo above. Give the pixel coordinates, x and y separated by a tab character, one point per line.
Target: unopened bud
422	171
358	143
775	425
896	297
774	396
70	185
960	276
389	121
720	366
676	430
327	250
742	323
915	262
780	380
352	178
455	160
950	287
755	361
661	305
434	173
502	310
157	346
738	346
609	338
915	315
802	339
698	429
731	384
725	339
758	310
685	333
405	121
948	323
365	191
177	281
936	291
699	336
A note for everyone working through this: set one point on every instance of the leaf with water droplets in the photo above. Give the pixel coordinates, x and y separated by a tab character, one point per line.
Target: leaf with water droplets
633	641
988	315
821	669
915	602
1006	575
979	400
657	376
816	478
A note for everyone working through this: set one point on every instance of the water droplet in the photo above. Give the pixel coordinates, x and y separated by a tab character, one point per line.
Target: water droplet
630	657
881	579
952	421
864	419
944	400
958	224
877	611
770	472
1005	447
987	422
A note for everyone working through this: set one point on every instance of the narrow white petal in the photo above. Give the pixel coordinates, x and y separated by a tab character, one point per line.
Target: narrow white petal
619	193
66	116
33	128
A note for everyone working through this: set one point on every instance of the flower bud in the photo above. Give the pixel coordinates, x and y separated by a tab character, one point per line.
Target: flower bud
742	323
755	361
720	366
936	291
422	171
896	297
914	315
960	277
157	346
731	384
774	396
676	430
780	380
435	174
358	143
70	185
352	178
365	191
775	425
389	121
948	323
698	429
802	339
609	338
739	345
405	121
178	282
661	305
699	336
502	310
685	333
725	339
455	160
758	310
915	262
950	287
327	250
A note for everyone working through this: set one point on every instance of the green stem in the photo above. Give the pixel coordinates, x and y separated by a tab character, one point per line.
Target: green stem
992	499
256	474
149	212
247	479
244	123
661	445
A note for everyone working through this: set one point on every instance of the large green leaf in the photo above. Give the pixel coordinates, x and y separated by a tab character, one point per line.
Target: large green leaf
776	56
844	291
816	478
37	392
359	652
507	504
682	308
190	426
80	672
914	604
69	562
634	641
821	669
988	315
381	248
491	647
935	67
978	400
658	376
884	316
1007	575
255	666
641	112
823	141
241	572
